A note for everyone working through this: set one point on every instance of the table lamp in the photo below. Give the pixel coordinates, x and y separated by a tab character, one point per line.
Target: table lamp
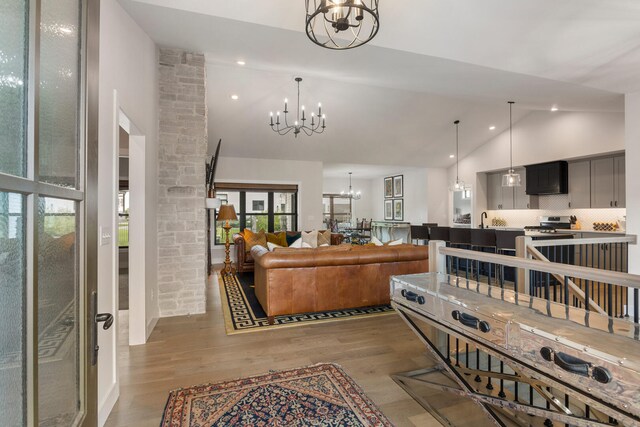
227	213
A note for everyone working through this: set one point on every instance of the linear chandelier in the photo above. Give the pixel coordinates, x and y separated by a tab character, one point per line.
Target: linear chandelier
355	195
299	124
342	24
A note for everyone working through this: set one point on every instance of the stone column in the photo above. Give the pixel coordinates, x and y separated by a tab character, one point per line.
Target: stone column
182	151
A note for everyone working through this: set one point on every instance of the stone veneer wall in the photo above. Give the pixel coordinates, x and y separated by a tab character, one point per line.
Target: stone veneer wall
181	172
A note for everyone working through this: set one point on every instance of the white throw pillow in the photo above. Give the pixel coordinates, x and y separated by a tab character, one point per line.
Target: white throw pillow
376	241
272	246
306	245
297	244
395	243
311	238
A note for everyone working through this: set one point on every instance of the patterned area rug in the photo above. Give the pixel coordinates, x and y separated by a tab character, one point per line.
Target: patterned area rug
243	312
320	395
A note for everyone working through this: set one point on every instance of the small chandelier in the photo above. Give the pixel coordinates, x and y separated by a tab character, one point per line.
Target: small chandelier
511	179
342	24
457	185
350	193
299	124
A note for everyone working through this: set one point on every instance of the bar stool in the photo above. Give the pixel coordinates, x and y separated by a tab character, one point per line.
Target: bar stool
483	240
506	245
419	232
461	238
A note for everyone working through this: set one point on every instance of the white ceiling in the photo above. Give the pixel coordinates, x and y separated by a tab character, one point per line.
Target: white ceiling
393	101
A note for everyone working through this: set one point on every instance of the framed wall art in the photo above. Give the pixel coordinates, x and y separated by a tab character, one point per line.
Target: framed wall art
388	187
398	186
388	209
398	209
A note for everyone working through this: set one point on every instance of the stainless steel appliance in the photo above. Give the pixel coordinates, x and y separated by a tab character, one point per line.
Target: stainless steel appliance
549	224
523	360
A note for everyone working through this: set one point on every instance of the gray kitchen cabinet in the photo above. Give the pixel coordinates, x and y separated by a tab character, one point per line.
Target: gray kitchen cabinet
608	182
620	189
521	199
494	191
580	184
602	183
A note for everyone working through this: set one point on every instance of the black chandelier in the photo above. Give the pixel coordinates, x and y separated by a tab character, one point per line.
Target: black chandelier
299	124
342	24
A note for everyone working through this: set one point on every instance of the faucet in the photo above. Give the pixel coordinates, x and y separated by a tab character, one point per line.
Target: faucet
483	215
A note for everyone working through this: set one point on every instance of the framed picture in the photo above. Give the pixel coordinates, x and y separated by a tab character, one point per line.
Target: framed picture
388	187
398	186
388	209
398	209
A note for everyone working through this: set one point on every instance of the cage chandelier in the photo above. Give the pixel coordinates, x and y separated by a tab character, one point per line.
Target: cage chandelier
299	124
355	195
342	24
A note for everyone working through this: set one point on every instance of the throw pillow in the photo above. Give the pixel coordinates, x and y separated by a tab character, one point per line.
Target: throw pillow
279	239
297	244
324	237
310	238
292	237
252	239
273	246
376	241
395	243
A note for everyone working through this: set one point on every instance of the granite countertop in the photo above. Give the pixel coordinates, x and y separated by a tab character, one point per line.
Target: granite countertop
617	232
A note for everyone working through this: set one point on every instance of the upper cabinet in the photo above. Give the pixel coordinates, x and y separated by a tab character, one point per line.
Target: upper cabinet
499	197
580	184
608	182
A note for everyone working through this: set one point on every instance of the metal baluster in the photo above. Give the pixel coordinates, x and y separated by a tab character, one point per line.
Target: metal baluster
457	352
449	348
489	385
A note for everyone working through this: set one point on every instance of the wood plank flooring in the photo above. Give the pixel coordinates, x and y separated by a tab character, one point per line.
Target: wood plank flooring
190	350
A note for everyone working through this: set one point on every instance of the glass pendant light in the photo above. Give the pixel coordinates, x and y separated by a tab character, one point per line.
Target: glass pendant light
458	185
511	179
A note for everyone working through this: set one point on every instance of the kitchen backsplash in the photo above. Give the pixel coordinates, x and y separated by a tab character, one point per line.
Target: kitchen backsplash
555	206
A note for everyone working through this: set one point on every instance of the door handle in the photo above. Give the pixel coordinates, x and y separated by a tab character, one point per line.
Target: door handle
611	204
471	321
576	366
412	296
616	203
106	318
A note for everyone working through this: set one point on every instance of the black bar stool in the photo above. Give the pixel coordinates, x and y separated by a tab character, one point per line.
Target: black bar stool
483	240
461	238
506	245
420	232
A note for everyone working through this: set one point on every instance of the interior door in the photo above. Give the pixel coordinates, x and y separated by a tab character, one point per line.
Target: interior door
48	235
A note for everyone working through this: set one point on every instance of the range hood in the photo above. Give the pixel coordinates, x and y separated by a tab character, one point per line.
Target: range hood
548	178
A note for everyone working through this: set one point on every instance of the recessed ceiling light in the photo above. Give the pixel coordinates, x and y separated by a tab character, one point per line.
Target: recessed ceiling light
554	108
240	62
492	127
234	97
451	156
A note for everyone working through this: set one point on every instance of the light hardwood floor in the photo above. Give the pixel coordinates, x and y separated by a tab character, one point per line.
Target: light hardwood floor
190	350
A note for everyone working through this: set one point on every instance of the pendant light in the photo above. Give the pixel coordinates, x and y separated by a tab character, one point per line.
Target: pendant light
511	179
457	185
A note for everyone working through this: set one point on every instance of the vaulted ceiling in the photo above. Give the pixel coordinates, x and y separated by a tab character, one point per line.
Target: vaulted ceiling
394	100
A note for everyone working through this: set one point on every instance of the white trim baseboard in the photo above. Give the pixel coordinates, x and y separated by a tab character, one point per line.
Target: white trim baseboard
150	325
106	406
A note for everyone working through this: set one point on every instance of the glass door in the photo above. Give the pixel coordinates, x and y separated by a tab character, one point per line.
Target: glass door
47	169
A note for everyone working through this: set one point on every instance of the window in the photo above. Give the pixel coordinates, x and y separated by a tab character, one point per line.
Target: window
337	208
271	208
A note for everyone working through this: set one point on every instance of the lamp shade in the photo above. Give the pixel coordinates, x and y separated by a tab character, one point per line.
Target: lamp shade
226	213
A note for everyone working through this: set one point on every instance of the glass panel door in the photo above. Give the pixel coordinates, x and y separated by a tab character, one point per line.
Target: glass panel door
47	377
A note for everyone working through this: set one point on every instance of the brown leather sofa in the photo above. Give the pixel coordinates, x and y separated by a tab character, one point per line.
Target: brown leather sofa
290	281
244	260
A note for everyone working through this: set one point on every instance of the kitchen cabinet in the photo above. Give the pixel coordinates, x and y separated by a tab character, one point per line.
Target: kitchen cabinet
608	182
580	184
494	191
521	199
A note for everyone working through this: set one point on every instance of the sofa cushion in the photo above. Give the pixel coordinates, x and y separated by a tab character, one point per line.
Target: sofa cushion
292	237
324	237
252	239
310	238
279	239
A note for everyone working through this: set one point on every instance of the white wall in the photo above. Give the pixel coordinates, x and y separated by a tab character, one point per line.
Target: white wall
632	140
540	137
362	208
128	66
307	175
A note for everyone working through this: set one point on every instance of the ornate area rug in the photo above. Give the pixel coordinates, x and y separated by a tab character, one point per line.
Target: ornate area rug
320	395
243	312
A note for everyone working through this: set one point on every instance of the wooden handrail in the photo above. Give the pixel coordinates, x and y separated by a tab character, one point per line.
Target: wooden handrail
586	273
561	278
